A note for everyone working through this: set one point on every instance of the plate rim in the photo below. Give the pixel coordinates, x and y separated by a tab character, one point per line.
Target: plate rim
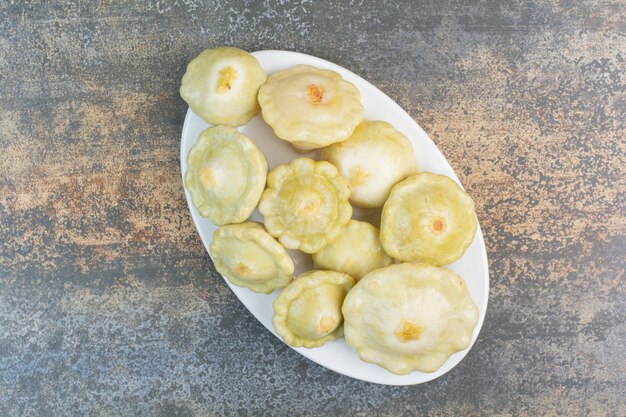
430	376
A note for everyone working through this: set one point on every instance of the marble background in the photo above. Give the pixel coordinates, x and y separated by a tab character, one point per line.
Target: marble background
109	304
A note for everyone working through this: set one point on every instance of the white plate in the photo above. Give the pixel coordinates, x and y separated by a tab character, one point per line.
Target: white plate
337	355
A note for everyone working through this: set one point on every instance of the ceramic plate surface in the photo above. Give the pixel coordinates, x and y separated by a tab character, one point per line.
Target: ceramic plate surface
337	355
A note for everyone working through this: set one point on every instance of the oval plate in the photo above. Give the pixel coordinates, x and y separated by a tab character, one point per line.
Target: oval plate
337	355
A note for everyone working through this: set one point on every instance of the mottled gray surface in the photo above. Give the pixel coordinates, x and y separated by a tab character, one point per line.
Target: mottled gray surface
109	305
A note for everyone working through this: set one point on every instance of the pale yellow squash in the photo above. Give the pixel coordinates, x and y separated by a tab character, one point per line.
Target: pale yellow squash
308	311
310	107
249	257
409	317
225	175
356	251
221	86
428	218
373	159
305	204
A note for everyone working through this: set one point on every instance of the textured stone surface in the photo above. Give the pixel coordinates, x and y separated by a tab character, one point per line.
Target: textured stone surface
109	305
